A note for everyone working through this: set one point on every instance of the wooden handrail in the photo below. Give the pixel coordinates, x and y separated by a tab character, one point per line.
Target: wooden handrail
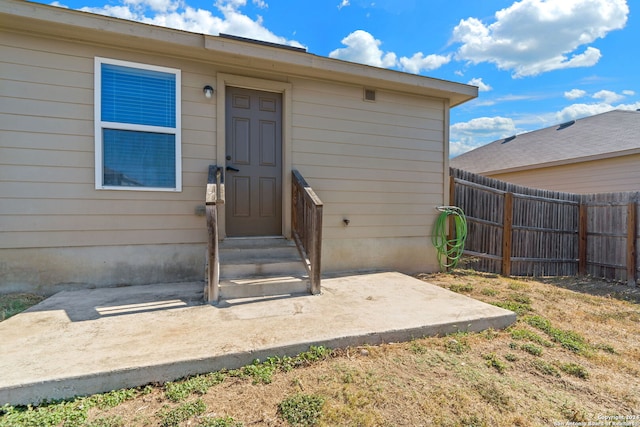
306	215
214	197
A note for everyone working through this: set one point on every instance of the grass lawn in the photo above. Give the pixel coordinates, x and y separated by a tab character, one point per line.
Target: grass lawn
572	357
11	304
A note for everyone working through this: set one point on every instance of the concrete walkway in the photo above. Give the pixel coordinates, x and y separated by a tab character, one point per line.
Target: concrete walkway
90	341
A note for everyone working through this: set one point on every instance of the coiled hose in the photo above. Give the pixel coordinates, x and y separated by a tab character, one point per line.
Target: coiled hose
449	250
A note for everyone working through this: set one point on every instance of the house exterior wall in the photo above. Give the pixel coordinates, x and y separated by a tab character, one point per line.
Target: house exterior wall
614	174
51	215
379	164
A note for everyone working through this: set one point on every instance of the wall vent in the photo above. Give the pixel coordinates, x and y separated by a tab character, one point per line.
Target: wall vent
369	95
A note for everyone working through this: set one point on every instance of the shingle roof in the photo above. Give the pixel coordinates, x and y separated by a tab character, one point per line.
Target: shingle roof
610	134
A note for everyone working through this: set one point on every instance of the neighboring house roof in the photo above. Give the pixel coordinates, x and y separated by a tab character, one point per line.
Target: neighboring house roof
612	134
35	18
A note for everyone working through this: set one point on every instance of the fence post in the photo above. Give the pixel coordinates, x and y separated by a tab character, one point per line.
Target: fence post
506	234
632	226
582	240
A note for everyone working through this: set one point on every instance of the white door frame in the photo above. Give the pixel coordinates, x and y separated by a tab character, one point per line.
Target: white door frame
224	80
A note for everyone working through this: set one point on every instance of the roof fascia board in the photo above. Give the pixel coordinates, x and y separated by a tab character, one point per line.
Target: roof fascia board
88	27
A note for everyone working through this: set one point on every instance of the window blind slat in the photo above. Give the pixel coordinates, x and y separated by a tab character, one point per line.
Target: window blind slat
139	96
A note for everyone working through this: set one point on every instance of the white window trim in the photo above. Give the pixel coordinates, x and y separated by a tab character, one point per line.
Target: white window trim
100	125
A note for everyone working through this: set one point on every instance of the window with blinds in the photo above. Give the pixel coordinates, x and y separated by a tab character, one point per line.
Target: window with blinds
137	115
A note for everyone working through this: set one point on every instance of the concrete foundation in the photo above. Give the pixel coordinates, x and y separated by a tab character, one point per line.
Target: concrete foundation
49	270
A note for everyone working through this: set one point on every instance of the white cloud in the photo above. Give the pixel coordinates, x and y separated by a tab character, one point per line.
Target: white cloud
575	94
482	86
607	96
628	92
418	62
465	136
535	36
460	147
363	48
577	111
177	14
343	3
486	125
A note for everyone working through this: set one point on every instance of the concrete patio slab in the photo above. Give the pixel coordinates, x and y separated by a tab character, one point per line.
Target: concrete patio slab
90	341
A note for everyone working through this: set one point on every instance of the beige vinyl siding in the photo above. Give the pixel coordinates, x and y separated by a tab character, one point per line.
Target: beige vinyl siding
597	176
378	164
47	153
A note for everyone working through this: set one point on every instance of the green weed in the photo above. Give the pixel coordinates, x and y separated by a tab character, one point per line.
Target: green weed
494	362
545	368
567	339
606	347
489	292
172	417
67	413
12	304
301	409
525	334
517	307
575	370
417	348
532	349
457	346
113	398
511	357
200	384
286	363
261	373
492	394
461	288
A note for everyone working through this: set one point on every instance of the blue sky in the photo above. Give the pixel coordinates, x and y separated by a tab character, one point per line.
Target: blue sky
537	62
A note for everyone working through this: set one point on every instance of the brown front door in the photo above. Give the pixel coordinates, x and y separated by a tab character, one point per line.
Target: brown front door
254	163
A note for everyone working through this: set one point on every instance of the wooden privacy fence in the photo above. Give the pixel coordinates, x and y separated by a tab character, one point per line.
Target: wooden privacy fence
520	231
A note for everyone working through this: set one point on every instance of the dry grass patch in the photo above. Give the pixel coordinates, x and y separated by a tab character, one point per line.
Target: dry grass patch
570	357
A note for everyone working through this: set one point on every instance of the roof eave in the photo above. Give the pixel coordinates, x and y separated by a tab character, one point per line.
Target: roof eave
91	28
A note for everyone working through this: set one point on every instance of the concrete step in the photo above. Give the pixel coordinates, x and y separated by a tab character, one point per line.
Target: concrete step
255	242
256	267
246	258
263	286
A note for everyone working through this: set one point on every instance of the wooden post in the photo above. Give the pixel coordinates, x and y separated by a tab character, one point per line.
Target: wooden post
632	226
213	197
316	251
582	240
213	290
506	234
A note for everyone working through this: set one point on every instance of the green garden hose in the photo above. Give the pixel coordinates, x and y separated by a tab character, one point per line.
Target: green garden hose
449	250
